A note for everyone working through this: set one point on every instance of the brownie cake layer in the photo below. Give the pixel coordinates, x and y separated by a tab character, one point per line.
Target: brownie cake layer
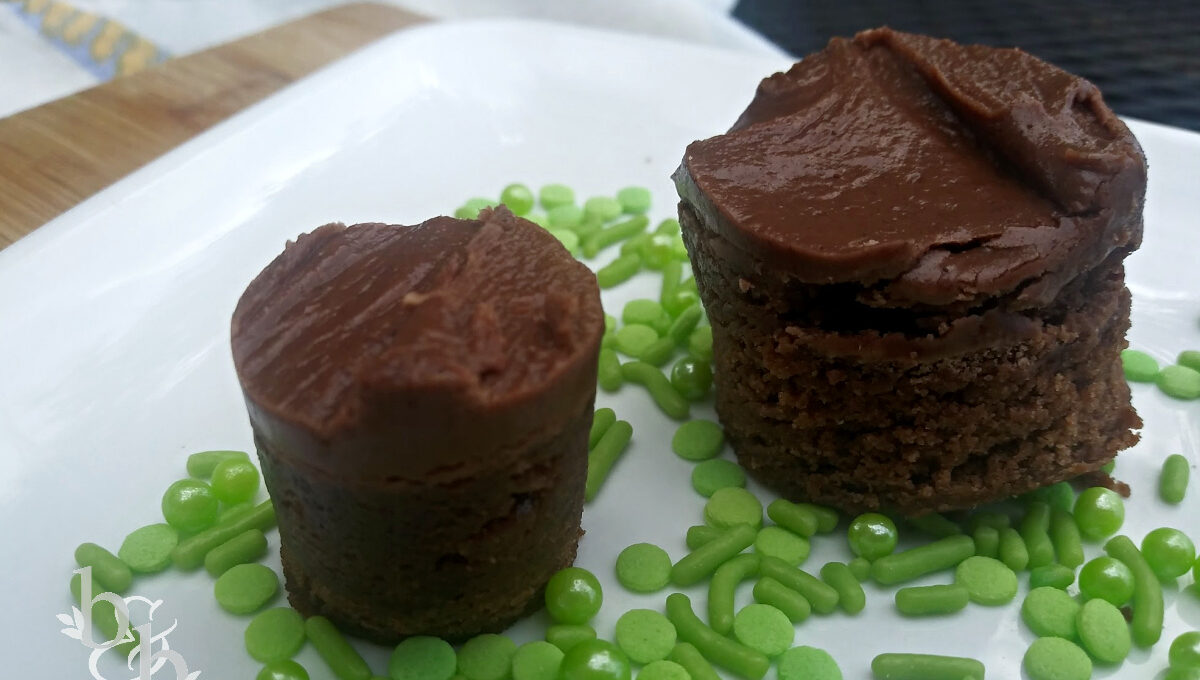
420	399
911	254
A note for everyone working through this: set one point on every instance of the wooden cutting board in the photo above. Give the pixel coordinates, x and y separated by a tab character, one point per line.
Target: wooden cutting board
57	154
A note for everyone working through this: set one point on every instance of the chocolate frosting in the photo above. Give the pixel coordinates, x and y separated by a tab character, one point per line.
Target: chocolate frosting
935	172
402	353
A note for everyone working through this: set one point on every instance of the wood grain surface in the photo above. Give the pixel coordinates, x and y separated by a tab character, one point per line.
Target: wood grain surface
57	154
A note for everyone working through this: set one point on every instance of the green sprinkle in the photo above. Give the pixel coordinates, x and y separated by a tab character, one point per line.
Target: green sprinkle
643	568
698	440
190	552
618	271
568	239
282	670
567	216
670	227
716	474
700	343
670	401
700	534
1109	467
518	198
1060	495
241	549
567	635
635	245
732	506
604	455
663	670
148	550
851	597
1139	366
1103	632
1107	579
1179	382
235	481
595	660
701	562
1034	528
470	210
275	635
795	517
486	657
552	196
603	208
782	544
1064	535
872	535
935	525
1013	553
926	559
1099	513
808	663
692	378
190	506
1185	651
104	615
658	252
644	635
107	569
539	219
246	588
925	667
608	371
341	657
1053	575
987	541
659	352
1052	658
1169	552
1189	358
769	591
1173	480
423	658
634	200
647	313
822	596
764	628
602	419
603	238
202	464
573	595
680	301
231	513
1050	612
681	328
932	600
827	518
633	339
988	581
722	586
995	520
860	567
536	660
698	668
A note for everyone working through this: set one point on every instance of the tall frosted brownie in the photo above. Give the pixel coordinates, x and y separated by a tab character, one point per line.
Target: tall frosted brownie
420	399
911	253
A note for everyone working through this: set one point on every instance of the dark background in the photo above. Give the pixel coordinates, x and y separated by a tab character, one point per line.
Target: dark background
1143	55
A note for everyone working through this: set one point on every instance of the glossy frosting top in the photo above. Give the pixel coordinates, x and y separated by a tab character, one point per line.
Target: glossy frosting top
949	171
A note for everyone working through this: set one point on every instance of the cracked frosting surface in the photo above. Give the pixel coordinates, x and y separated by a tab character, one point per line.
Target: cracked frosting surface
933	172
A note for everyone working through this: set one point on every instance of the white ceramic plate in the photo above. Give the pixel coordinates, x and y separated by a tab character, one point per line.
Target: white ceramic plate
114	318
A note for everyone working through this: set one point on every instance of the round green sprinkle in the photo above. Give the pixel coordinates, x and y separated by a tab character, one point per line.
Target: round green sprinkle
1108	579
246	588
716	474
1099	512
692	377
573	595
1050	612
1169	552
634	200
566	635
282	670
423	658
595	660
988	581
781	543
731	506
764	628
275	635
1103	632
486	657
663	670
1179	382
1053	658
564	216
645	635
633	339
189	505
553	195
518	198
1185	651
643	568
1139	366
603	208
1181	674
1173	480
235	481
698	440
808	663
872	536
536	660
568	238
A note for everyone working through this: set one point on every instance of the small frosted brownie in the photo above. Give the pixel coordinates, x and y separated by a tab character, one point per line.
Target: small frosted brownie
420	399
912	254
